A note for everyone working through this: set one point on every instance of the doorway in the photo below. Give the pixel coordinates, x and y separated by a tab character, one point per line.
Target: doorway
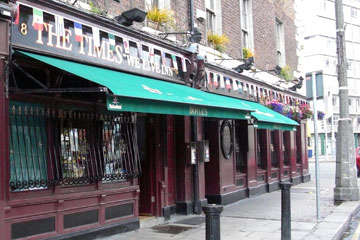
157	158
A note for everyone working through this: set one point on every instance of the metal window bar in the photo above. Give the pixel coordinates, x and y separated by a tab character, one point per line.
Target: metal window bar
63	147
28	165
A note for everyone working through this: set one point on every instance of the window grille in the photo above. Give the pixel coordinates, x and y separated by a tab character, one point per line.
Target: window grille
68	147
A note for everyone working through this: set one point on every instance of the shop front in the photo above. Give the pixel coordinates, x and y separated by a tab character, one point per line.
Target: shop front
102	128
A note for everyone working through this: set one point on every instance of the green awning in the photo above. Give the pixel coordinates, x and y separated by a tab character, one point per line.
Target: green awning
141	94
269	119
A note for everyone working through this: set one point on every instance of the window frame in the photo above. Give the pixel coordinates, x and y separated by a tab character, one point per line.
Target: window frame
280	43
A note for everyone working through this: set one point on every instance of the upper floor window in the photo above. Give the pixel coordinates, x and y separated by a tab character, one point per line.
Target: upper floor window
280	45
210	16
334	101
160	4
246	23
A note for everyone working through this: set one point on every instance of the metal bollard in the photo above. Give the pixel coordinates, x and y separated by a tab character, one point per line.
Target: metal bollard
285	211
212	212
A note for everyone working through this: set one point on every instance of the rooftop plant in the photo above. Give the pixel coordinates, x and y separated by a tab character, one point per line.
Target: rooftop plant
218	41
163	17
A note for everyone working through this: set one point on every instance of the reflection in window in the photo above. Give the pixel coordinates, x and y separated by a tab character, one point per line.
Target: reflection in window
241	146
261	143
285	149
74	150
273	150
114	148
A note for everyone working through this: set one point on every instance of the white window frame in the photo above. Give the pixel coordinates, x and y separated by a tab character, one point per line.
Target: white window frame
247	39
280	44
213	11
160	4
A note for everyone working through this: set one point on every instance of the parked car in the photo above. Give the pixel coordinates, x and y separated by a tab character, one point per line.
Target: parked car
357	153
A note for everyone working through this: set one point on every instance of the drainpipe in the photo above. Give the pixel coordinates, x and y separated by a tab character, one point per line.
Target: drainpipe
196	205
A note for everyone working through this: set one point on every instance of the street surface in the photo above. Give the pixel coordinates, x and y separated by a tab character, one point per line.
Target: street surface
259	218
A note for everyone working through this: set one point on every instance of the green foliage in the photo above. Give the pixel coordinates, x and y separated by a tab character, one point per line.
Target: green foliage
286	73
247	53
218	41
96	10
163	17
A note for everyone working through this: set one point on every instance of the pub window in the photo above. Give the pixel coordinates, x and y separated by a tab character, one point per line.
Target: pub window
298	147
285	147
273	150
241	146
66	147
261	144
28	144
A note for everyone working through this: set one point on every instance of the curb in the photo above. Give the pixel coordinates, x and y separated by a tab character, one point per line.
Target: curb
338	220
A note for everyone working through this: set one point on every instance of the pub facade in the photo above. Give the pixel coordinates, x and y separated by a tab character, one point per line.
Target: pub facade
104	123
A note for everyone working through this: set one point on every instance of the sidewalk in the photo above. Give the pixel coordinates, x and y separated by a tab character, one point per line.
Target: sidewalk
260	218
323	158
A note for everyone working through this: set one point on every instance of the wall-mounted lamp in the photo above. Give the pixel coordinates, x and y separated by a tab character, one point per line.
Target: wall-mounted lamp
245	66
128	17
276	70
297	85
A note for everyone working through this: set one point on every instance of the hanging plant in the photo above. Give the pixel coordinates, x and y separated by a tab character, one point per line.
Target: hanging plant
218	41
161	18
320	115
286	73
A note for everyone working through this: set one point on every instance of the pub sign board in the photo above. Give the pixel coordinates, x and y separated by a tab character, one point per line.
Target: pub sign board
48	32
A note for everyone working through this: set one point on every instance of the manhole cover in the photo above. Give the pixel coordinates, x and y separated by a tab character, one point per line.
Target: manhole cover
192	221
170	229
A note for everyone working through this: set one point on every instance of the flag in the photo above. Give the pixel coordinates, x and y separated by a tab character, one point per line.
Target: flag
240	87
163	58
139	48
59	25
78	32
235	85
174	62
38	20
216	83
111	41
183	62
227	83
16	21
151	54
208	76
126	46
222	83
96	36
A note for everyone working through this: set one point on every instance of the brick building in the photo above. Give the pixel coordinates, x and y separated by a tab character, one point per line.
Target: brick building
111	116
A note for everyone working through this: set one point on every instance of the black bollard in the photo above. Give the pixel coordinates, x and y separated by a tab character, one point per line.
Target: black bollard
285	211
212	212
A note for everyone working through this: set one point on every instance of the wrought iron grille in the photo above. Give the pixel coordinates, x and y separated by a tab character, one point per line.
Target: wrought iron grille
67	147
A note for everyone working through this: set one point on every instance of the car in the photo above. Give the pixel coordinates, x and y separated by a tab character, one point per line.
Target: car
357	153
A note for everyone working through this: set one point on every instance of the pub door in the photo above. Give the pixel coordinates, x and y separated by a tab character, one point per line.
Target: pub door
171	180
146	139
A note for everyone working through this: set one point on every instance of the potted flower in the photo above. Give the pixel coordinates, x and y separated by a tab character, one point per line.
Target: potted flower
247	53
159	19
286	73
217	41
